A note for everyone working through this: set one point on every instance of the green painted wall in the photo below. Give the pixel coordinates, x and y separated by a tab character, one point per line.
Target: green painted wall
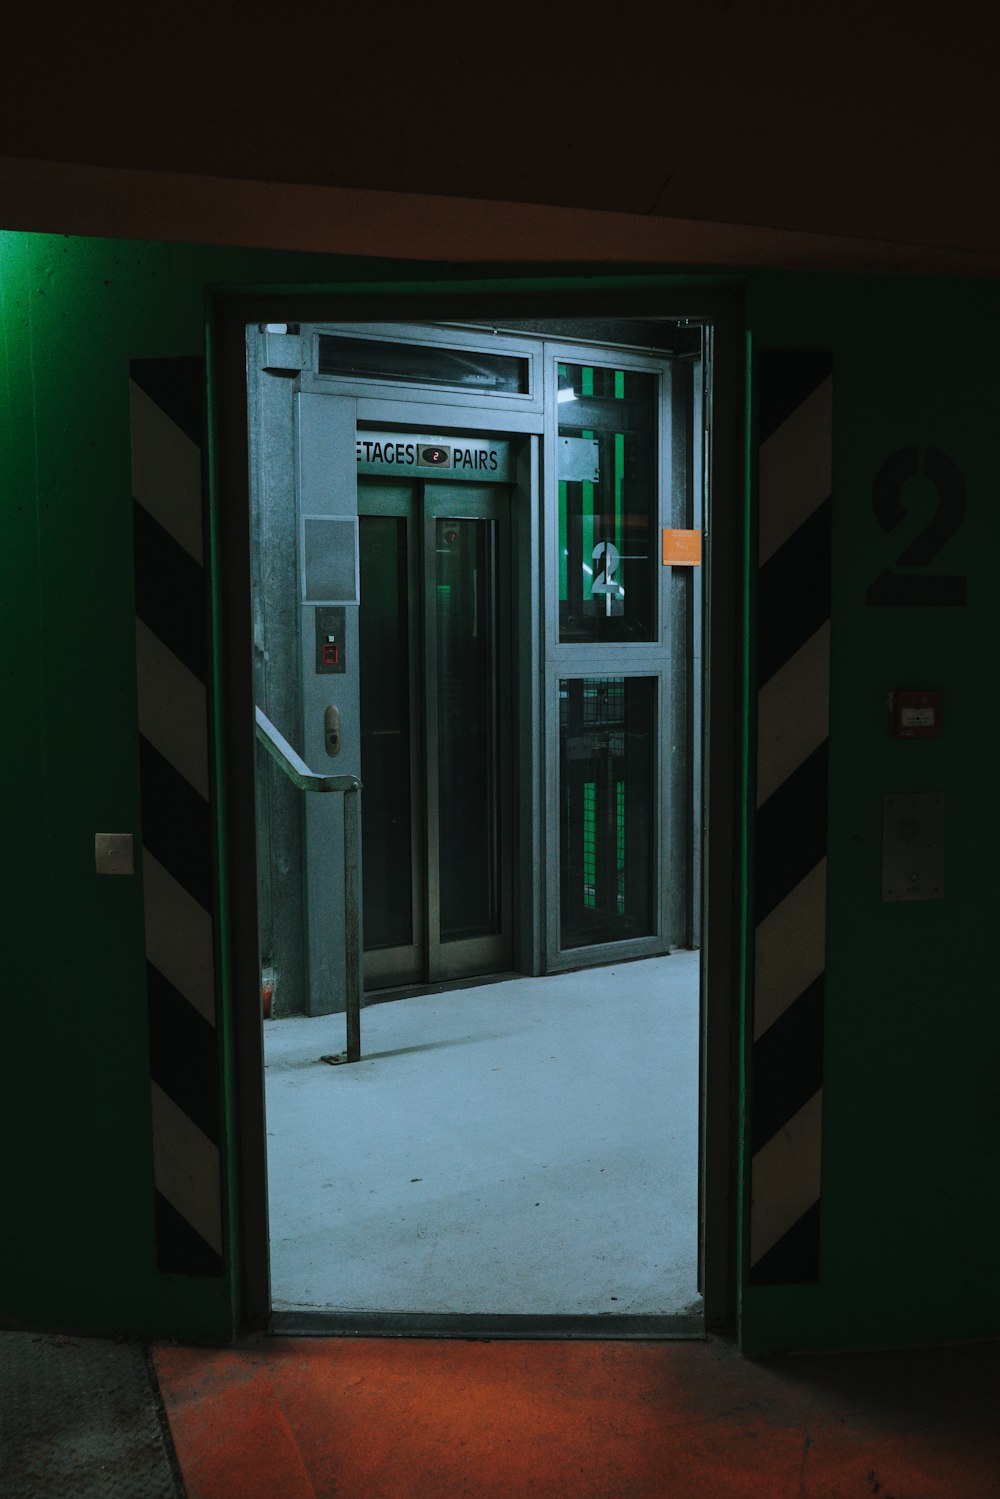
910	1182
79	1242
910	1199
73	312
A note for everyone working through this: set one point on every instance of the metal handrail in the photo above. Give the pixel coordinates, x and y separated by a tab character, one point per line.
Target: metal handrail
298	772
292	763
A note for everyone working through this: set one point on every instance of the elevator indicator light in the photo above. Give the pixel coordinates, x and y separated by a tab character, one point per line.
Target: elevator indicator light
434	457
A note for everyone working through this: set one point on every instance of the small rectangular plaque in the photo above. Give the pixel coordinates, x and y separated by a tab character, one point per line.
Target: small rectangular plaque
913	846
330	565
578	459
681	548
113	853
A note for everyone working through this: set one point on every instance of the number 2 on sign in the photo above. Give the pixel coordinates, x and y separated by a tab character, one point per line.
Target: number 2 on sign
607	559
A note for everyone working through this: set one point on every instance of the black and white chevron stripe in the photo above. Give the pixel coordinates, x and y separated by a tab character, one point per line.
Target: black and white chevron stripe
171	624
794	409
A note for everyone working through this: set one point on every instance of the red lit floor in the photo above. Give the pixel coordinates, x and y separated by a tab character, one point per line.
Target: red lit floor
398	1419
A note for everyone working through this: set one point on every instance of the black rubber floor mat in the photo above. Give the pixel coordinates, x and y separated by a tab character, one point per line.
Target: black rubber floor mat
79	1420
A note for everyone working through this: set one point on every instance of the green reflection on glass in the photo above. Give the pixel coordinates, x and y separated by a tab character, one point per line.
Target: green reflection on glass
606	809
607	528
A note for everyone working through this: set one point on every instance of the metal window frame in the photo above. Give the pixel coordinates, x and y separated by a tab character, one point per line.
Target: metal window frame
593	355
384	388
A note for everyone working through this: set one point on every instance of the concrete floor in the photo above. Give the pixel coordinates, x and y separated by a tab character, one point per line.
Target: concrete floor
522	1147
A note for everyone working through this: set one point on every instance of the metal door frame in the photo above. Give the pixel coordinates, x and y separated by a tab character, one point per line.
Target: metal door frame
415	407
380	406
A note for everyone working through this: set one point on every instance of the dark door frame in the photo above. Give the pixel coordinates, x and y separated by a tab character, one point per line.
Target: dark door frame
725	755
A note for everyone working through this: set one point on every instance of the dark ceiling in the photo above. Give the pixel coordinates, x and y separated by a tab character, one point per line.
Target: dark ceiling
875	120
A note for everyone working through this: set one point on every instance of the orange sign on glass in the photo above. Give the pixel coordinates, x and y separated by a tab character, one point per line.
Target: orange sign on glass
682	548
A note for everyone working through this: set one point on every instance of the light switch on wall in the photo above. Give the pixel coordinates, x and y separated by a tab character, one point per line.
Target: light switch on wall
113	853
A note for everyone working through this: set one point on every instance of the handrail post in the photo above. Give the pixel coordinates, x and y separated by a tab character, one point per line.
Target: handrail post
352	936
298	772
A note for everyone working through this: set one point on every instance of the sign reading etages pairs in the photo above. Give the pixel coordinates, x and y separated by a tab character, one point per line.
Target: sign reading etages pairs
437	457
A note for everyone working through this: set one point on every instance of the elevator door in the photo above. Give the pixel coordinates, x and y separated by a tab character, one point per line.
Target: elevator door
436	731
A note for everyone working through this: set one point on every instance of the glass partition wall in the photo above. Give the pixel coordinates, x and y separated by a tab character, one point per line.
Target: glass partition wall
620	673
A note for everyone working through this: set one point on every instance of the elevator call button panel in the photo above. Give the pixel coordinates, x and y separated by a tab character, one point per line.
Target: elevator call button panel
330	632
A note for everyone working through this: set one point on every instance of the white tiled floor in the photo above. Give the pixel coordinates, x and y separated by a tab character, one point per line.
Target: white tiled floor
527	1146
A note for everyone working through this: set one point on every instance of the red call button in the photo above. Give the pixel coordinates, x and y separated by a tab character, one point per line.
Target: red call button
331	653
916	715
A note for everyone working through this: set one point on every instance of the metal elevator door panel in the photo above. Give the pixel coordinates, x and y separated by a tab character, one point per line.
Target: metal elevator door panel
436	747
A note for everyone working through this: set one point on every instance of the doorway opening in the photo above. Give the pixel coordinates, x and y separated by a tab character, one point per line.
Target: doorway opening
478	585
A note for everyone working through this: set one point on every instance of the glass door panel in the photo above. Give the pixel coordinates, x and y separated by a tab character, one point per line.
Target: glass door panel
608	521
392	831
606	809
468	784
386	734
470	749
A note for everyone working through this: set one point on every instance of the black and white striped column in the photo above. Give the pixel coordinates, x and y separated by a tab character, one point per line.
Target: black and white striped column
794	408
171	607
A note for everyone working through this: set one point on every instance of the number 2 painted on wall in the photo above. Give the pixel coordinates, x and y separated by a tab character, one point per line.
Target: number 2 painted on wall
913	588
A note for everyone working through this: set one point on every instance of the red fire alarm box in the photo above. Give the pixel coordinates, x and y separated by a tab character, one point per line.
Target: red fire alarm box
916	715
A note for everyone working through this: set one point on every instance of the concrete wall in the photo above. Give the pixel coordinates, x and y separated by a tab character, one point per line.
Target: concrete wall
909	1202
